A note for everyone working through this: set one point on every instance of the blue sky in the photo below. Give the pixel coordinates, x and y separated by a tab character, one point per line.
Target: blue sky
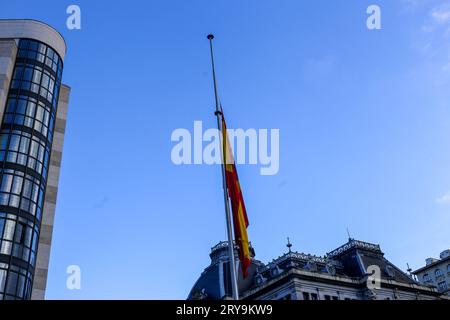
364	119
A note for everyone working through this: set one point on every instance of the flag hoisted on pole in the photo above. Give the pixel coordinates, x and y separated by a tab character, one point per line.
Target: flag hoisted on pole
231	191
240	219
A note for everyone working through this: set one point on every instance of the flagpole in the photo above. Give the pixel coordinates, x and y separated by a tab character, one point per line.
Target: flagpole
218	113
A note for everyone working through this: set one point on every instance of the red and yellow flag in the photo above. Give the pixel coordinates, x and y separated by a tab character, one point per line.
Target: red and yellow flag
240	220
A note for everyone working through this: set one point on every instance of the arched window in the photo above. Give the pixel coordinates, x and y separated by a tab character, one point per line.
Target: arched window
448	268
438	273
426	277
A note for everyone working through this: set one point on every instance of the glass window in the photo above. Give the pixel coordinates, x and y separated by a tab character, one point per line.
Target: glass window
15	84
4	199
27	189
21	106
35	193
40	113
34	149
41	153
51	85
28	235
28	122
14	143
438	273
42	48
40	58
22	53
24	144
442	286
31	163
2	224
22	159
17	185
25	85
20	233
18	119
25	204
9	118
2	280
18	72
34	242
37	76
31	109
23	44
6	183
45	80
3	141
11	157
20	286
14	201
33	45
46	117
11	105
12	283
28	74
6	247
8	233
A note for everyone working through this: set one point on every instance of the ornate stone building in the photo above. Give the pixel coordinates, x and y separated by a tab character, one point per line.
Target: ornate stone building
355	271
436	272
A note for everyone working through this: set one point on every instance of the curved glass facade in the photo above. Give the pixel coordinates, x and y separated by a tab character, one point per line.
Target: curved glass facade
26	136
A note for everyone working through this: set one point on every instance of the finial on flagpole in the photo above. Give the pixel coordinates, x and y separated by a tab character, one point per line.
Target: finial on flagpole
210	36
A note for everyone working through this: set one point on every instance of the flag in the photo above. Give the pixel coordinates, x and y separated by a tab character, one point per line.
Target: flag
240	219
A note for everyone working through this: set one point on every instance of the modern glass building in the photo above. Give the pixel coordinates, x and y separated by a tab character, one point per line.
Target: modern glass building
33	109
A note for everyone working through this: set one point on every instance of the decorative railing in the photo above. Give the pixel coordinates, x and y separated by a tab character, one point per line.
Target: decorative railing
355	244
299	256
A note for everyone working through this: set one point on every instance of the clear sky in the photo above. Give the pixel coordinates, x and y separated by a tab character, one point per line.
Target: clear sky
364	119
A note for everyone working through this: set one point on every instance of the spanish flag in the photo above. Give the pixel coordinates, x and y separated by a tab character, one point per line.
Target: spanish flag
240	220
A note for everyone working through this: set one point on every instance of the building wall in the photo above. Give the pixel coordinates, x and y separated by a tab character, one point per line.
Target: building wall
436	275
33	29
309	290
45	239
315	289
8	51
33	108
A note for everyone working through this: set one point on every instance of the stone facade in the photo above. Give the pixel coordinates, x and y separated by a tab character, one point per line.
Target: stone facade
436	273
8	52
45	238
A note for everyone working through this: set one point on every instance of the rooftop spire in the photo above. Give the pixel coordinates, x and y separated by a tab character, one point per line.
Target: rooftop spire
348	234
289	244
